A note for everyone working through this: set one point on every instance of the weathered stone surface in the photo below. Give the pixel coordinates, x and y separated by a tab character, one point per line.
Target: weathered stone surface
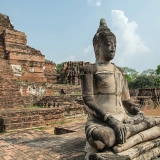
139	138
141	148
14	37
72	105
63	89
70	73
28	64
50	72
10	96
107	156
114	123
147	98
28	118
5	22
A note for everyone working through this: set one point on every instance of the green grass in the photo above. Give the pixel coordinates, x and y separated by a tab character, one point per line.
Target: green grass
76	93
63	121
32	106
40	128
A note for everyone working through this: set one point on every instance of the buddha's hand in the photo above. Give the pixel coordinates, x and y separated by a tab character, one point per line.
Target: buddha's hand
119	128
139	117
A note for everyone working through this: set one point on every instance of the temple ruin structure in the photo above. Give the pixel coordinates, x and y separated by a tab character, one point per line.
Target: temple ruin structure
70	73
147	98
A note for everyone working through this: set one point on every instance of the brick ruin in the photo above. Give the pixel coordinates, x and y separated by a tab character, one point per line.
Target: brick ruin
148	98
10	96
27	78
70	73
27	63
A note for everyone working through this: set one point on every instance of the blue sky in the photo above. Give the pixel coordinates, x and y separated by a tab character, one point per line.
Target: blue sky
63	29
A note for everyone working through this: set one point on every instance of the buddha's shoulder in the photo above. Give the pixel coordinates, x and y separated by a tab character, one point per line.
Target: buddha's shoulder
92	68
119	69
88	69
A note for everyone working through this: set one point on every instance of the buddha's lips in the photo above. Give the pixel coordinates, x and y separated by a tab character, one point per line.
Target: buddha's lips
111	54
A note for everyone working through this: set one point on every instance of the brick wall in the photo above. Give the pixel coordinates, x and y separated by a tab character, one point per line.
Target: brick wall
28	118
50	72
10	96
28	64
5	21
60	89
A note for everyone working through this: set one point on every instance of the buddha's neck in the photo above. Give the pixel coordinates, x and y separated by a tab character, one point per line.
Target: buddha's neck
99	62
105	65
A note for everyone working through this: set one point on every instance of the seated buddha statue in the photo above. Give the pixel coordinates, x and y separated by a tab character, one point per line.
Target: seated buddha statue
112	116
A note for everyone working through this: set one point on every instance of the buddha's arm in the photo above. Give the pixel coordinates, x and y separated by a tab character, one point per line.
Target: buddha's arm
130	106
87	94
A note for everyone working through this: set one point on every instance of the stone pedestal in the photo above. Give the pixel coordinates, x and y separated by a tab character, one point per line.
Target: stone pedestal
107	156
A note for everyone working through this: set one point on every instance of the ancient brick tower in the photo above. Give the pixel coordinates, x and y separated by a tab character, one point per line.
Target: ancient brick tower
26	64
24	73
70	73
10	96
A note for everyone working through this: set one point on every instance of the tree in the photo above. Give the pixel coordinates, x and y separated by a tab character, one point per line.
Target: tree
131	74
158	75
142	81
149	72
59	67
158	70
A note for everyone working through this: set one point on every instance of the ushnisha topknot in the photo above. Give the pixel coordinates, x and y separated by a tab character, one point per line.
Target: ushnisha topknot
104	28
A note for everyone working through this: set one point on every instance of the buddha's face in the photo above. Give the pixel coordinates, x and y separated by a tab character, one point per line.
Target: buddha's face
107	49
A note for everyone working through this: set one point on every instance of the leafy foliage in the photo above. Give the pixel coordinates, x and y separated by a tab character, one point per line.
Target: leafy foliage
131	74
148	72
59	67
158	70
142	81
149	78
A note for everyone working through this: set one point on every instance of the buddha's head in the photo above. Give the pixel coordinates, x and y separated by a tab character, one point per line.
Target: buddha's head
104	43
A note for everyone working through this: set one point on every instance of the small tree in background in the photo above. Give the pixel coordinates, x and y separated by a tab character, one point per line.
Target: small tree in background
158	70
59	67
142	81
131	74
149	78
158	75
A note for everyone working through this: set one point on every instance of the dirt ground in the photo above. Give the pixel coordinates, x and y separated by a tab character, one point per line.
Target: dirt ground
70	121
152	112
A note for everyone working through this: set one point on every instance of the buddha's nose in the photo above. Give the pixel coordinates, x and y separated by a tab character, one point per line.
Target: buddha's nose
113	49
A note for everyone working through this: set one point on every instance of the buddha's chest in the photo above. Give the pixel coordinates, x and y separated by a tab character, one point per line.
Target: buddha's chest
108	82
104	80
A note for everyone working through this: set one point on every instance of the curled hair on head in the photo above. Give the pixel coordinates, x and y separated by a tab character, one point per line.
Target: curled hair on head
103	32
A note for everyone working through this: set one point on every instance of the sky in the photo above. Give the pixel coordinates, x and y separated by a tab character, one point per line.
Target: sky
63	29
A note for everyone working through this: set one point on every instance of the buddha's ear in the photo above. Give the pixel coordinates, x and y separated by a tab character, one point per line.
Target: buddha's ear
96	51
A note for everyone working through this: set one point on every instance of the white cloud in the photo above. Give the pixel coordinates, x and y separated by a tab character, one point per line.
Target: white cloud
130	44
70	58
96	3
88	49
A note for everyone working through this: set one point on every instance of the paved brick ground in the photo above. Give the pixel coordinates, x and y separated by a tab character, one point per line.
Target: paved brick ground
40	145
